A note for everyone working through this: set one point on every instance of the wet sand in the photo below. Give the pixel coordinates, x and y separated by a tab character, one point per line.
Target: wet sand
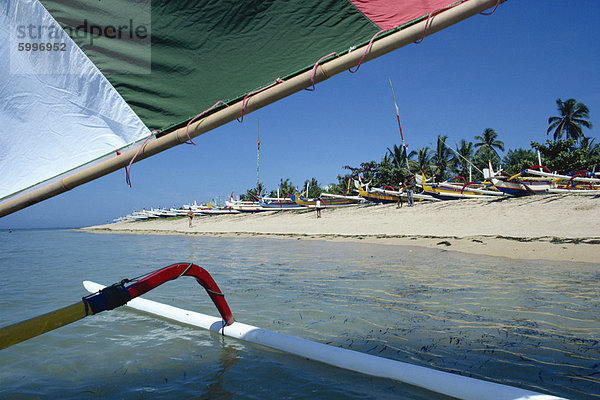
546	227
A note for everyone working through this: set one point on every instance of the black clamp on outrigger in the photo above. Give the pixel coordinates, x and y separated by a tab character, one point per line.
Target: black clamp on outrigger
108	298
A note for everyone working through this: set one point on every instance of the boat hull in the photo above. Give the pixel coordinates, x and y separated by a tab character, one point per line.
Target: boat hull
280	205
522	188
450	193
215	210
325	202
378	197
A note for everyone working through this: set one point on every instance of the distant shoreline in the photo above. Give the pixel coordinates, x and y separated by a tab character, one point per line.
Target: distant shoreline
545	227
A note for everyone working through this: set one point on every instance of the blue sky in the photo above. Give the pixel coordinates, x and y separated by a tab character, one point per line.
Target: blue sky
503	71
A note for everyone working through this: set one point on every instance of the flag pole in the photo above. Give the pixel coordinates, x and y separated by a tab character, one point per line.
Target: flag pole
257	157
400	127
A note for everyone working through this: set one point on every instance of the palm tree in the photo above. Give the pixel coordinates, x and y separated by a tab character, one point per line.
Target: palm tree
460	163
286	187
573	116
314	188
388	173
590	148
441	157
253	193
399	156
423	161
488	141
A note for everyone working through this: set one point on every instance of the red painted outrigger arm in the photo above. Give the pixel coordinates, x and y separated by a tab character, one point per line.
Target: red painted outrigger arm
175	271
119	294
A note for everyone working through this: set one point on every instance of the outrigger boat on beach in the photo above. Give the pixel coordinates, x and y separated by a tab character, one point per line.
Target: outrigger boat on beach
264	204
211	209
217	211
387	194
343	196
162	213
545	181
580	182
279	203
244	205
521	186
326	201
207	209
449	190
138	216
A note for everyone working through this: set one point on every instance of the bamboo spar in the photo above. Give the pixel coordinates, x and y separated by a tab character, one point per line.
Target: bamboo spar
33	327
277	92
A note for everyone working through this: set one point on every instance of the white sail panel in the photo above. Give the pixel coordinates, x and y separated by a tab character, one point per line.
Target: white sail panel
58	111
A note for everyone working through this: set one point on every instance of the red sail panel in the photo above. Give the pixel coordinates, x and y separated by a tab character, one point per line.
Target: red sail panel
388	14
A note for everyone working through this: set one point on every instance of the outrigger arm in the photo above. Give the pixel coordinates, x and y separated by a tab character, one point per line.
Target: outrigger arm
112	297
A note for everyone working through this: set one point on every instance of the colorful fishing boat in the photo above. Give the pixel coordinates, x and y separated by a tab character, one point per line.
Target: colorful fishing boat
162	213
449	190
522	186
518	185
326	201
279	203
579	182
546	181
244	205
211	209
387	194
206	209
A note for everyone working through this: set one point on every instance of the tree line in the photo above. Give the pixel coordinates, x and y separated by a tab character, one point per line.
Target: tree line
574	152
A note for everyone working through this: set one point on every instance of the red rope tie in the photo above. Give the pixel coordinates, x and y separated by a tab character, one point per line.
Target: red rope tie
430	16
434	13
128	168
314	70
253	93
367	50
493	11
187	128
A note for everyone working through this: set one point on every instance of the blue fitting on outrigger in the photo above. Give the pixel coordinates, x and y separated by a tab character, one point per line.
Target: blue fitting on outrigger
108	298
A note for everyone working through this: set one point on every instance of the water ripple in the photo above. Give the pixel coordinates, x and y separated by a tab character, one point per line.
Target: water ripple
523	323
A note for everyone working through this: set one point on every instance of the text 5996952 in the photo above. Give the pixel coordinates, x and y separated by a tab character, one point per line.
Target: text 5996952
58	46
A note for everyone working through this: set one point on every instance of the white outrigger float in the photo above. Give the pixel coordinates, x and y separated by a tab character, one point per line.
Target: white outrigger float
127	292
446	383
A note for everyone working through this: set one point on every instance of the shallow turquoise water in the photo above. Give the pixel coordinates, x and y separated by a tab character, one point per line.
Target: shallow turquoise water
531	324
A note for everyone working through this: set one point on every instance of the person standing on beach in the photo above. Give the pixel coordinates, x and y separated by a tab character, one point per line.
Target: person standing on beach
318	207
399	196
190	215
410	187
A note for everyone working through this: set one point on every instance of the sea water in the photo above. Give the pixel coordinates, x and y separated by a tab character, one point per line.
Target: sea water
530	324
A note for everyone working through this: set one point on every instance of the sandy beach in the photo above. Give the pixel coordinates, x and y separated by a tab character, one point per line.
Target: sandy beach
546	227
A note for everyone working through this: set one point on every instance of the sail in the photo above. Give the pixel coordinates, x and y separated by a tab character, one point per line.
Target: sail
58	111
117	70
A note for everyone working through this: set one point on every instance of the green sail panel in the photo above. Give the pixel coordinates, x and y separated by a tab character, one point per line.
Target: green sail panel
171	60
